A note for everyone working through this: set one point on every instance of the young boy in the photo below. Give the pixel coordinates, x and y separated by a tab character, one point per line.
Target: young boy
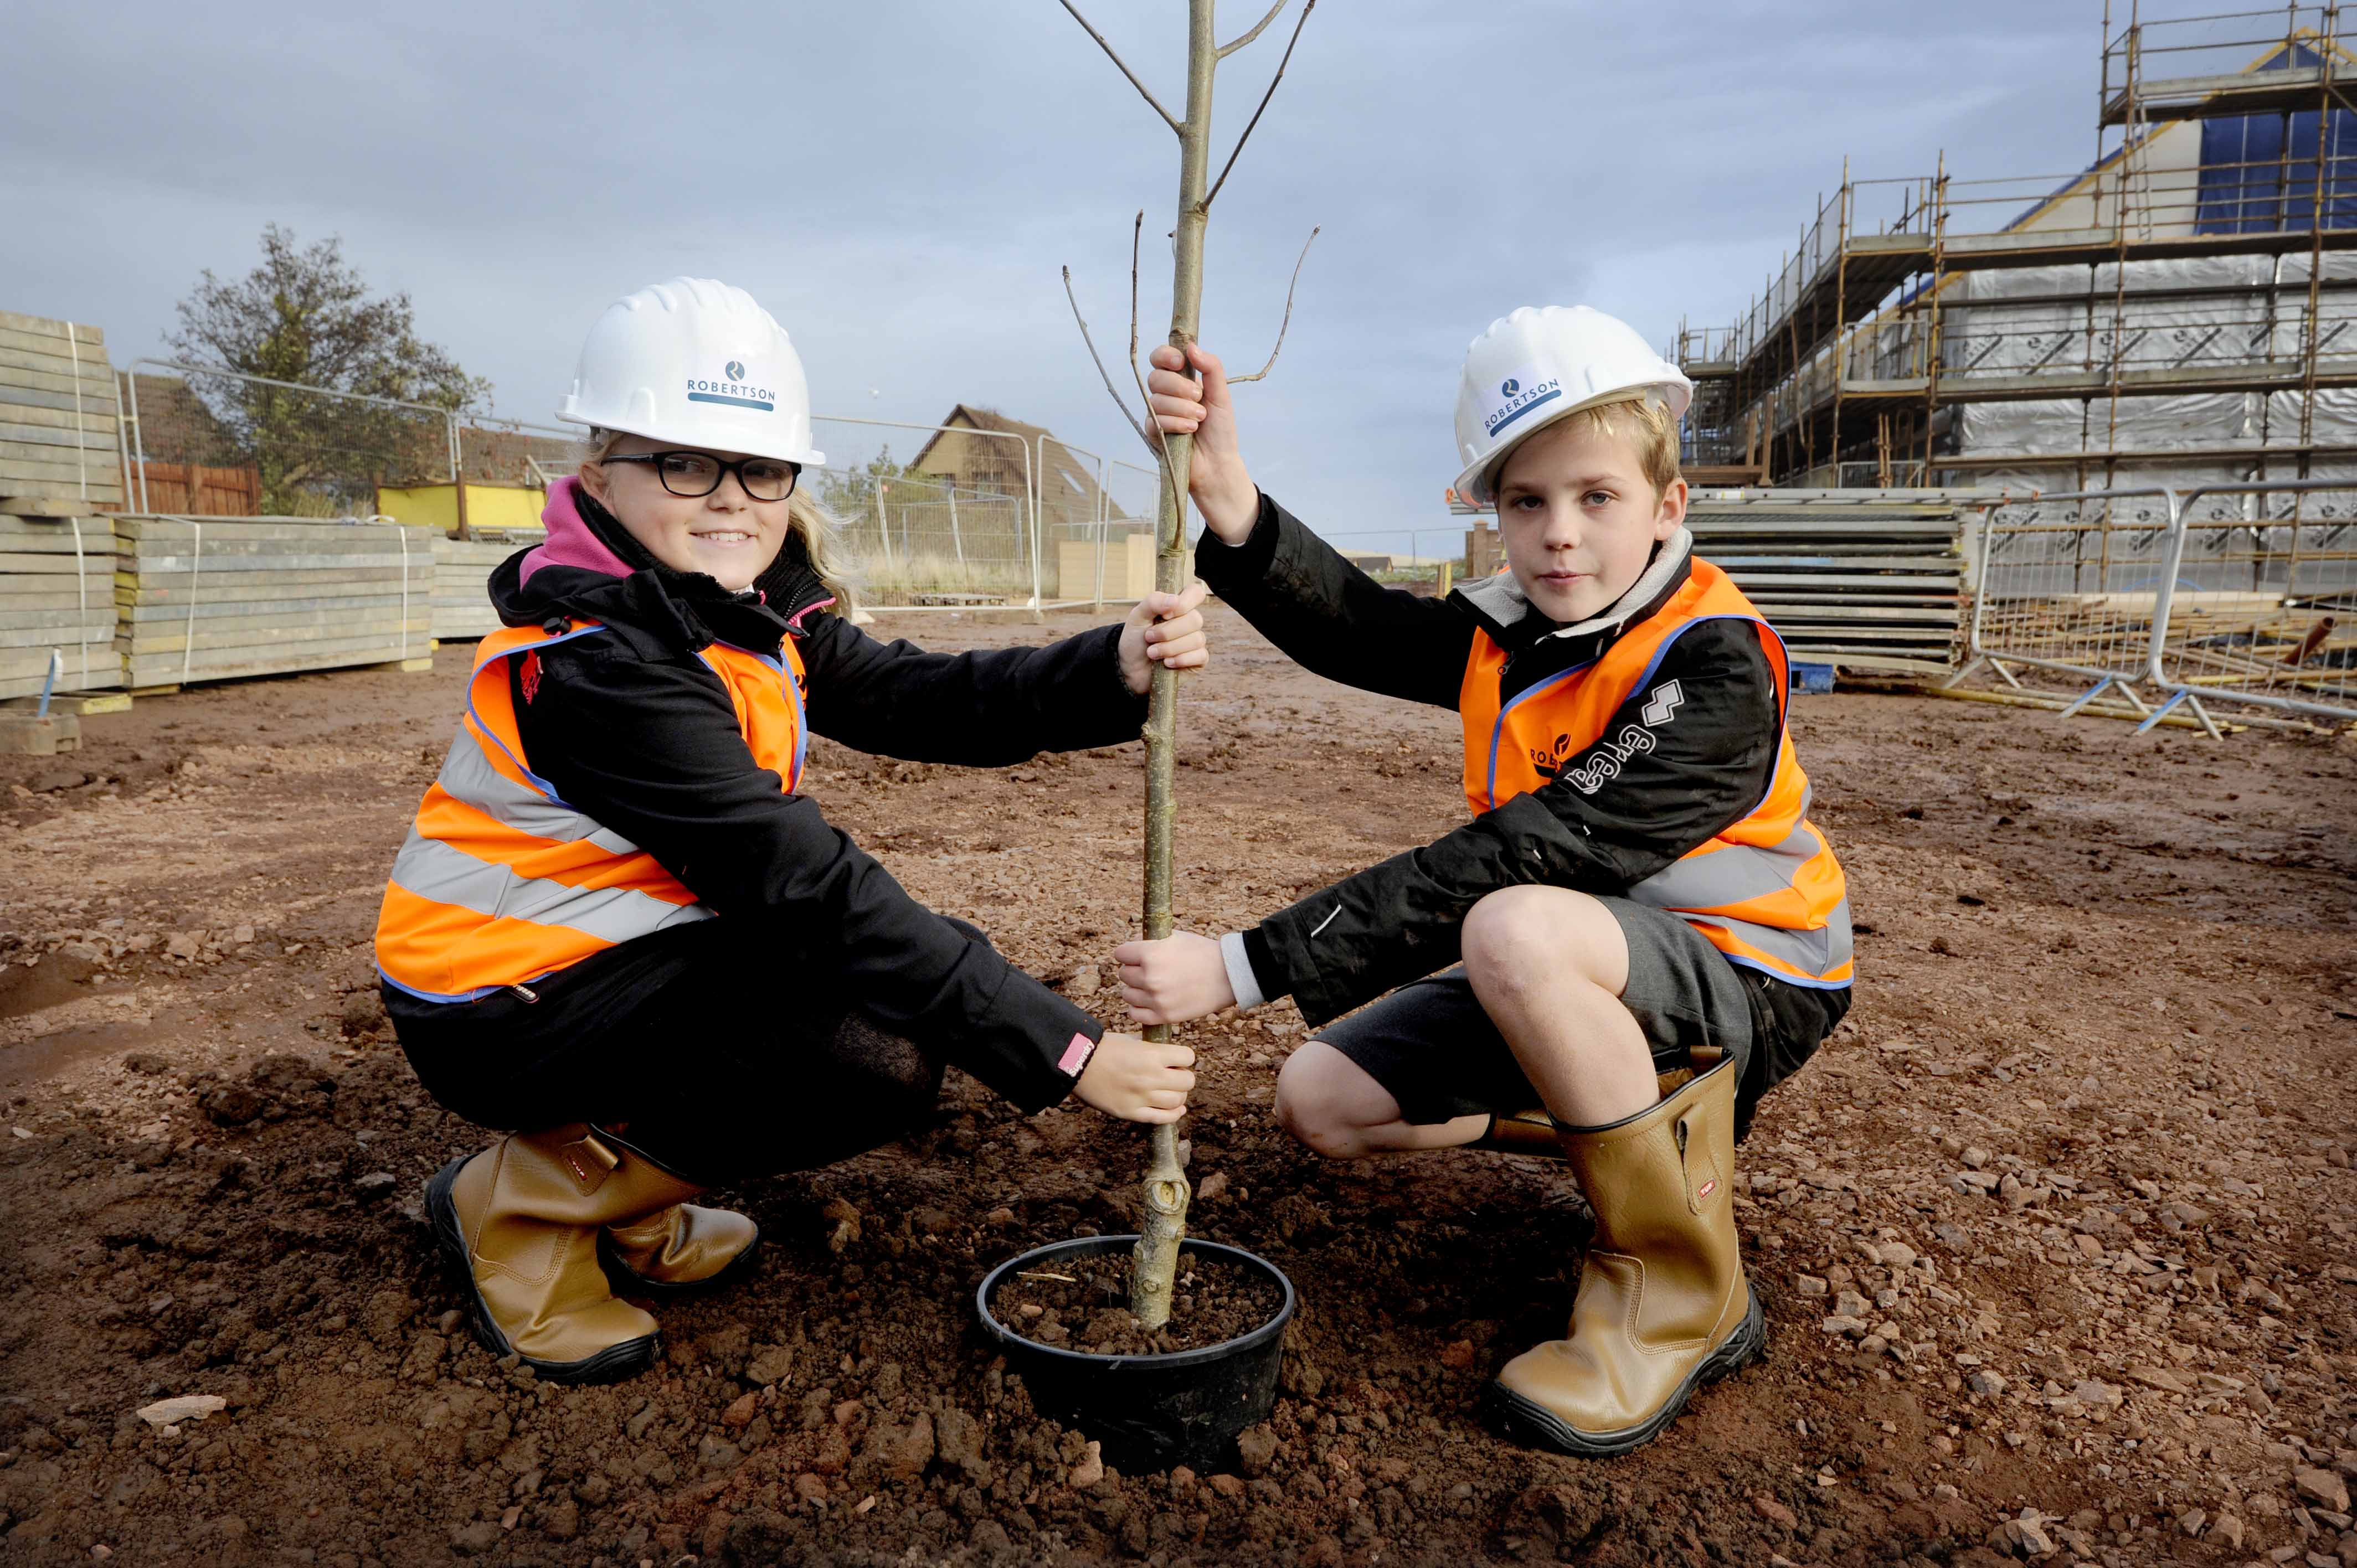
1652	933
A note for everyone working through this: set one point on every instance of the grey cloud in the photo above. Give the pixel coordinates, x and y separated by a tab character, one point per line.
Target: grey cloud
900	181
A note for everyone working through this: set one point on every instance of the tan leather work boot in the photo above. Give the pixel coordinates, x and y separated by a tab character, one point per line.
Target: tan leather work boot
1534	1132
679	1249
520	1221
1663	1305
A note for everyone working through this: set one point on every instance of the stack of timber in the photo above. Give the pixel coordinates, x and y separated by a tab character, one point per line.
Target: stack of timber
60	455
207	599
1862	579
57	593
462	575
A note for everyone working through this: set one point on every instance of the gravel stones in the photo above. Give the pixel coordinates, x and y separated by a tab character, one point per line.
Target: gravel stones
770	1363
1088	1472
2321	1488
902	1451
185	1407
2094	1395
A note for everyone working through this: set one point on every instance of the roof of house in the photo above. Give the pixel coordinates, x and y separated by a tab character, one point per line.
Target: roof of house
1067	480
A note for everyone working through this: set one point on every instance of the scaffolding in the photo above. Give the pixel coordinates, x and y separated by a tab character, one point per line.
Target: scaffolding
2184	307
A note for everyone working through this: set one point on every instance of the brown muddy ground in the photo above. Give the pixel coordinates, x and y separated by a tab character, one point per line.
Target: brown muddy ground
2074	1177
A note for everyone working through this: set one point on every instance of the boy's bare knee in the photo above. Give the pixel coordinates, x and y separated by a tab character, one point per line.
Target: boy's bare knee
1314	1100
1518	936
1514	934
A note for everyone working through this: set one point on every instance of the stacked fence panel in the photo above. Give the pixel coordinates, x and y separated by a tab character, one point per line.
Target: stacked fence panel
207	599
1865	583
57	605
462	575
2071	585
60	446
2263	609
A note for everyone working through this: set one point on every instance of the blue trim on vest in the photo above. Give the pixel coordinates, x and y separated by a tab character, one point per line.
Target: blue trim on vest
475	995
543	785
793	691
1498	728
1773	974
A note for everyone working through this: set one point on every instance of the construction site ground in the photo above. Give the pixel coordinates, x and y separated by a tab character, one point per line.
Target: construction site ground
2055	1235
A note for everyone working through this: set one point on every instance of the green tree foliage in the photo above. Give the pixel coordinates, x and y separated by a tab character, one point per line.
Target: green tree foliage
305	316
850	493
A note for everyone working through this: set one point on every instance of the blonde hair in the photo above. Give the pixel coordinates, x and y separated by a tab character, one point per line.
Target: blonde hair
1651	431
806	519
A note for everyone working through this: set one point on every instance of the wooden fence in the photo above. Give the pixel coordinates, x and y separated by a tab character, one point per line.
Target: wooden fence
198	491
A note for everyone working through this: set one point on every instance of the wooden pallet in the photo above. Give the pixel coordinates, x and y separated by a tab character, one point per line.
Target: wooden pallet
51	597
462	572
59	437
222	598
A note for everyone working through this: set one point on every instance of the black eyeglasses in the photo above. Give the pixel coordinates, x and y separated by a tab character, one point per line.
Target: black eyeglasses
695	473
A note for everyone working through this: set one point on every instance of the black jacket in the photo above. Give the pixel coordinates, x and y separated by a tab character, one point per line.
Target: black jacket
1400	919
635	730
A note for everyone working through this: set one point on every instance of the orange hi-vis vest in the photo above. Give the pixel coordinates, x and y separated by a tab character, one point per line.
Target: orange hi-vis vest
500	882
1767	890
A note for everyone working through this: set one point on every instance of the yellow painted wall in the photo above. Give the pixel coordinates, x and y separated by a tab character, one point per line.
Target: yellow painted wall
1128	567
508	506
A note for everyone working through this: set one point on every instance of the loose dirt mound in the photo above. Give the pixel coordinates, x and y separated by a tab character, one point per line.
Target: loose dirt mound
1086	1308
2055	1236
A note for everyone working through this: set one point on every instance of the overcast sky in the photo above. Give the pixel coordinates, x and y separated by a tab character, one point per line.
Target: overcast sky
899	180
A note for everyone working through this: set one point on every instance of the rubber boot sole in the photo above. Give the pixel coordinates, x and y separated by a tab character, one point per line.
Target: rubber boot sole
611	1365
628	1282
1534	1424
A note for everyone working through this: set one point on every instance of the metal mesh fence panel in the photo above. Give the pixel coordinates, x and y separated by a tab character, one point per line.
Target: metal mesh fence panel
920	543
251	445
1100	546
515	452
2263	603
2072	587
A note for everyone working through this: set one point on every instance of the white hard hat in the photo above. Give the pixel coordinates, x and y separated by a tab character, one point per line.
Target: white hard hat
698	362
1536	366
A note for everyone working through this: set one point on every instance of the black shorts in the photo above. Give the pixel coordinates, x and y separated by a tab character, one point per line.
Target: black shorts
1433	1048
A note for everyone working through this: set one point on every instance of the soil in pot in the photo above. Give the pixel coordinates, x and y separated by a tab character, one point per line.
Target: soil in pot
1082	1304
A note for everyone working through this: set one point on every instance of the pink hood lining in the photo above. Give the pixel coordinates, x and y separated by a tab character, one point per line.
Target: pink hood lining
570	542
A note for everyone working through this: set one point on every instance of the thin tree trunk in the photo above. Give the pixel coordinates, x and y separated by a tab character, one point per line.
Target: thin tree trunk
1164	1227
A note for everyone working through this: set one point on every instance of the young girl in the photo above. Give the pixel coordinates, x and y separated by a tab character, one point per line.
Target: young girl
618	926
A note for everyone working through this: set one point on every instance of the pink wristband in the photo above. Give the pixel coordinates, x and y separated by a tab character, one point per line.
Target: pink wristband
1076	1055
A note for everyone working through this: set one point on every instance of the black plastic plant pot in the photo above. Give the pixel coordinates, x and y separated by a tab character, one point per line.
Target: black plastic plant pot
1150	1413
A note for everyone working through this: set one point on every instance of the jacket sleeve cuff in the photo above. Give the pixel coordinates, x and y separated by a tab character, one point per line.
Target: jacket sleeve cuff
1032	1045
1219	563
1241	978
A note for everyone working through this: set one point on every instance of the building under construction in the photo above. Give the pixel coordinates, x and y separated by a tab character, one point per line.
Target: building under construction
2182	310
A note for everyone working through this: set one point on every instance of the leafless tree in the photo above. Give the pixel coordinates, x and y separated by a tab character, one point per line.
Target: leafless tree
1165	1226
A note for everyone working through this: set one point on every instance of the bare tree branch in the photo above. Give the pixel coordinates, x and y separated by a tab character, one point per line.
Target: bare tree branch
1167	118
1137	229
1105	374
1300	22
1228	49
1273	354
1155	441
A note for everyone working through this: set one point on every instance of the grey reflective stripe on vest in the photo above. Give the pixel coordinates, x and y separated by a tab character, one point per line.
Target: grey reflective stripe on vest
1816	953
468	775
437	872
1735	875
